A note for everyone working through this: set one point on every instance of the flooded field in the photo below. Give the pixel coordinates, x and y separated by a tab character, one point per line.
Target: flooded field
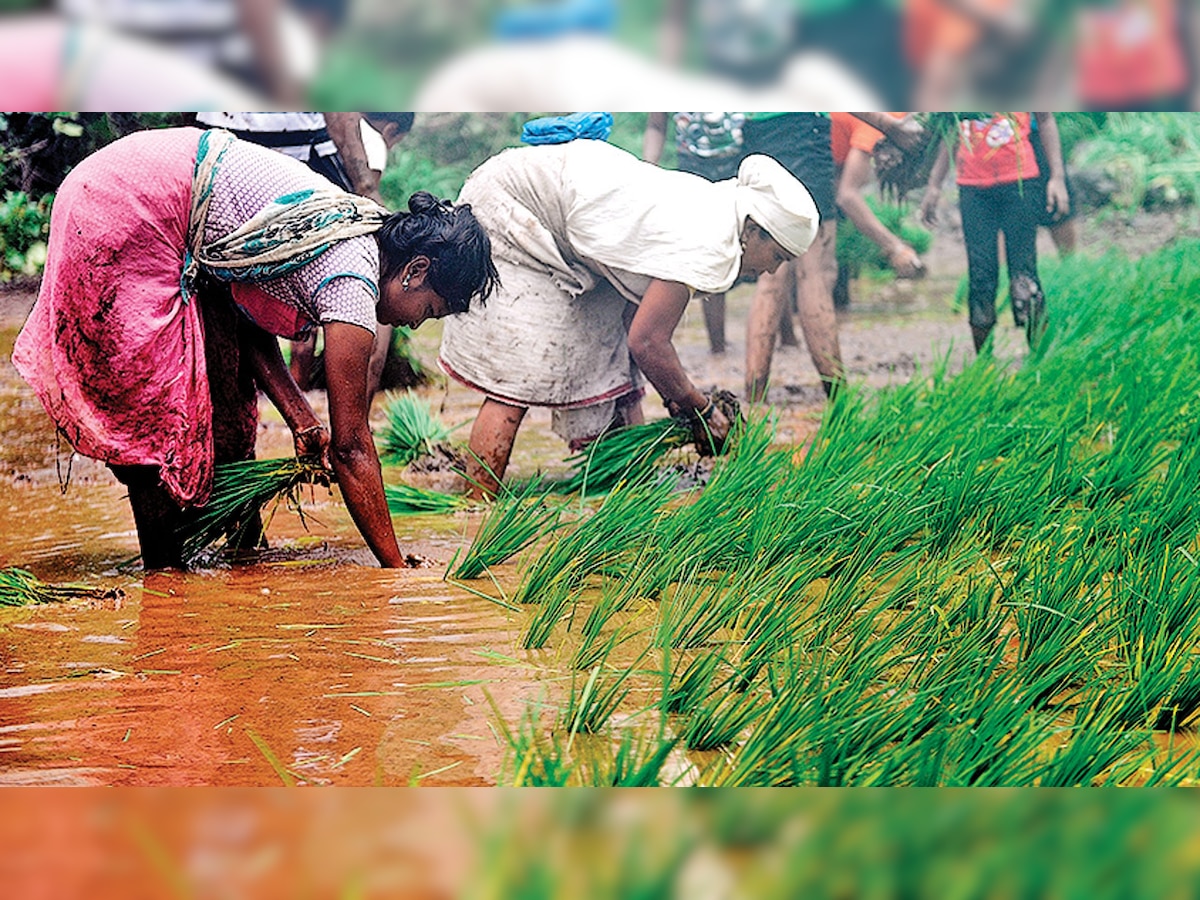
308	665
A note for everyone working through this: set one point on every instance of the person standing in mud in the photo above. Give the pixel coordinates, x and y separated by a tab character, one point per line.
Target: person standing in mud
598	254
996	170
176	258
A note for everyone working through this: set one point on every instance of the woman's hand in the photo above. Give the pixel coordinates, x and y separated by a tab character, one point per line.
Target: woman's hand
312	443
711	423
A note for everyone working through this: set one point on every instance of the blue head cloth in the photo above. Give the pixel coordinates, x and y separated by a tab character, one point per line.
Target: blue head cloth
560	129
550	20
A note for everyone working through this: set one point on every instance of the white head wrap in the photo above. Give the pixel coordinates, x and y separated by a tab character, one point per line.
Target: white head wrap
776	200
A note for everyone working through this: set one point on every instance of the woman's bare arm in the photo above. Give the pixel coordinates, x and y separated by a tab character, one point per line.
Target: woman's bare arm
352	450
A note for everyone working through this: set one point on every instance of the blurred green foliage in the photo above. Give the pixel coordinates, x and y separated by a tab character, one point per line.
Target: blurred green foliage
24	227
851	844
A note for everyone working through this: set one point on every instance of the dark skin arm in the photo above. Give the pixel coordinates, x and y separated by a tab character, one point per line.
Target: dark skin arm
933	189
352	451
1057	199
655	137
650	345
273	377
856	173
345	129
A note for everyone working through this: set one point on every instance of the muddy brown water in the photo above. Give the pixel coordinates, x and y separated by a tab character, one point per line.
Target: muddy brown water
311	664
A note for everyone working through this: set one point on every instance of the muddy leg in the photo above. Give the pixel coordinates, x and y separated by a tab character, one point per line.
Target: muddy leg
762	325
491	444
234	396
714	322
301	365
629	407
816	272
156	516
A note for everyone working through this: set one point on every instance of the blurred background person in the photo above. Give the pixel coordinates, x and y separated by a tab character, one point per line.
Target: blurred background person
952	45
51	62
783	41
269	46
803	144
853	143
994	161
708	144
1137	54
570	55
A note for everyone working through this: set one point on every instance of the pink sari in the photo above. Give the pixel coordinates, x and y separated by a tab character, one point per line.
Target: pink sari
112	350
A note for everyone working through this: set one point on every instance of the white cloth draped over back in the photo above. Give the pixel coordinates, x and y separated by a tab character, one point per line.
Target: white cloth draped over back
577	229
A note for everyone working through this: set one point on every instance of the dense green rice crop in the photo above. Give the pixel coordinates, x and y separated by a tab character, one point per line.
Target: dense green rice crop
987	578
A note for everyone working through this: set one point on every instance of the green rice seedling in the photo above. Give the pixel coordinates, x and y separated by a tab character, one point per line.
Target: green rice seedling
990	740
600	543
240	491
719	720
411	431
1097	751
687	689
588	710
406	500
1181	703
1139	696
637	761
19	587
517	518
622	454
533	758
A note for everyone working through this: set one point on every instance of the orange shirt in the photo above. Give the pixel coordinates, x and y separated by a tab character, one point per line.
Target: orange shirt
1130	52
995	151
847	132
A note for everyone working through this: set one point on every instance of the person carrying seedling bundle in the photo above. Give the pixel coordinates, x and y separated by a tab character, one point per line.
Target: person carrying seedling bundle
853	143
996	169
598	255
175	258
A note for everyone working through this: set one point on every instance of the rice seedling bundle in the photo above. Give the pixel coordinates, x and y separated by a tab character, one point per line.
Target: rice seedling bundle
516	519
411	431
19	587
240	491
623	454
407	500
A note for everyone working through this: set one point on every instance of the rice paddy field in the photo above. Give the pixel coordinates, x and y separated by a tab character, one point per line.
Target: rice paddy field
961	572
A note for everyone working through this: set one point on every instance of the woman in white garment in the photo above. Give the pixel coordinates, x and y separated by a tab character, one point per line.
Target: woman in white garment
598	255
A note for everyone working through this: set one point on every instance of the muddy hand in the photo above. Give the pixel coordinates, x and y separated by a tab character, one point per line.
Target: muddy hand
905	262
313	443
712	426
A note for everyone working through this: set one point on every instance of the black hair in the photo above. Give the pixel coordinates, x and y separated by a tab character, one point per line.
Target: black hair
459	250
403	119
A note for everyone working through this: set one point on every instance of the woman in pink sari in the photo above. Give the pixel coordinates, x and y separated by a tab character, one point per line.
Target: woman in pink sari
175	259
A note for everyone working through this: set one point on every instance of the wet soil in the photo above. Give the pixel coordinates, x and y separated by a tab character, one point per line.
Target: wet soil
310	664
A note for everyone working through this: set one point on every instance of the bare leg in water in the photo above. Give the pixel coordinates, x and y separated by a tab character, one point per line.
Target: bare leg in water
492	437
810	278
